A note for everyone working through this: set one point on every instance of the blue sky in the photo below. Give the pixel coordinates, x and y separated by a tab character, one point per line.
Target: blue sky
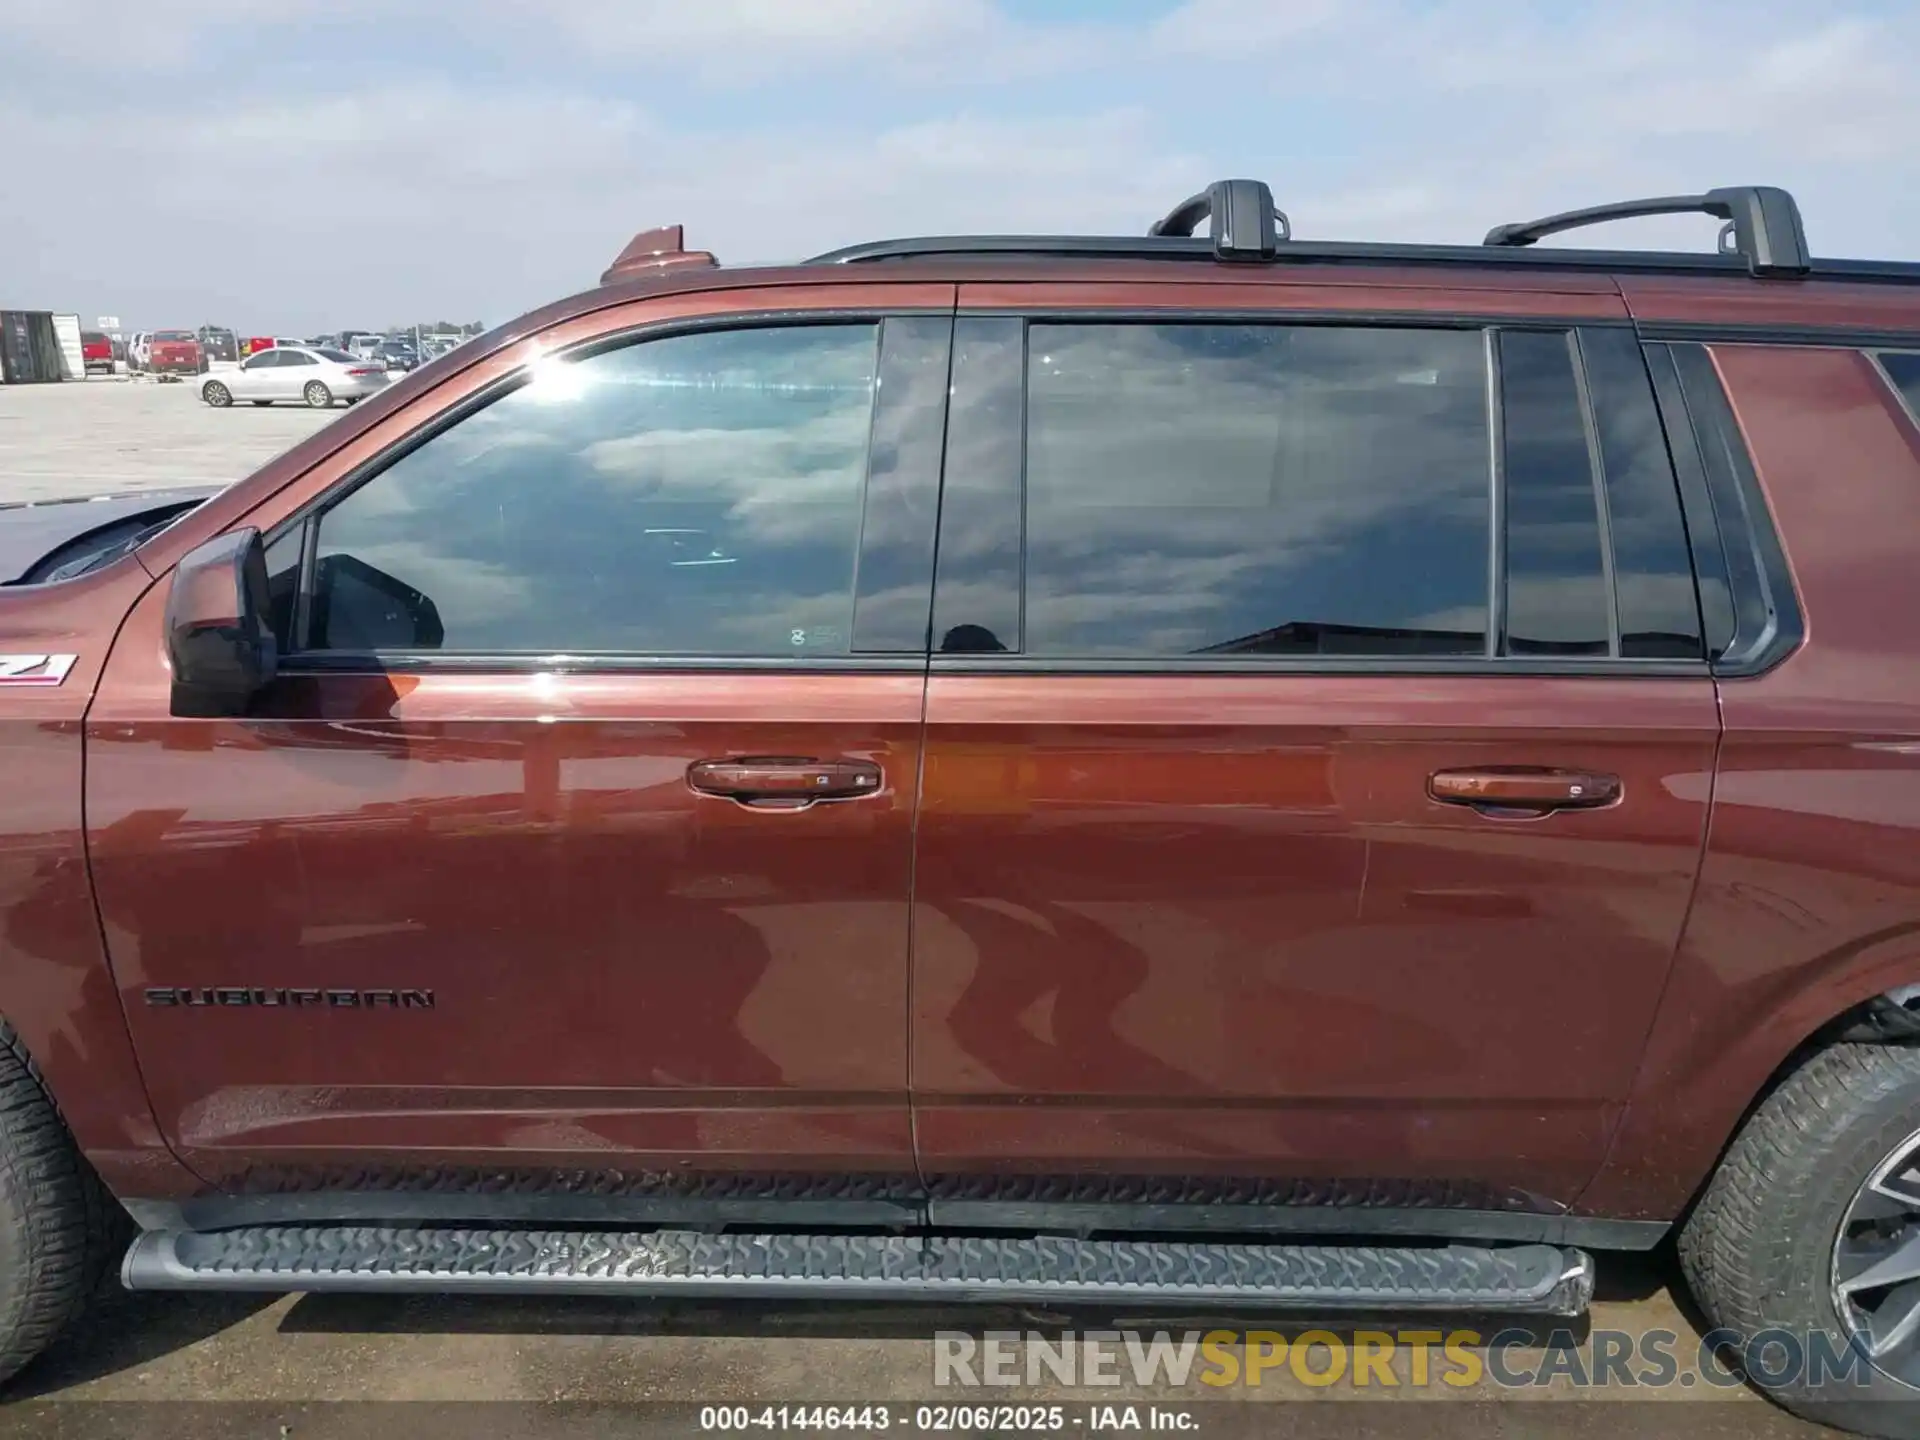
292	165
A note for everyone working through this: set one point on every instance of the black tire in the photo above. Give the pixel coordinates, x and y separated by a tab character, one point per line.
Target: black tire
1758	1249
60	1231
317	395
216	395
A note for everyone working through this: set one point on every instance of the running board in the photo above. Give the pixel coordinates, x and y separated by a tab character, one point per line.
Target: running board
1529	1279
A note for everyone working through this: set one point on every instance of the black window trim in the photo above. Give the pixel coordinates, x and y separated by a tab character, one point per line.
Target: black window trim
300	662
1613	665
1603	511
1496	496
1696	413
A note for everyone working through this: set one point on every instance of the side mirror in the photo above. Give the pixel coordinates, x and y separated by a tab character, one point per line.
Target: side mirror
219	636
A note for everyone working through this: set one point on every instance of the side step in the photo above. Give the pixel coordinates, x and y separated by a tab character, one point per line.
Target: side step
1531	1279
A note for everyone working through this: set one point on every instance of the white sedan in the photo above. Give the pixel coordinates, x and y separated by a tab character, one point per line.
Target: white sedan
311	374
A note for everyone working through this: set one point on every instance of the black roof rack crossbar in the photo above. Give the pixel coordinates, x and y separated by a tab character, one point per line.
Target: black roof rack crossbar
1242	221
1763	221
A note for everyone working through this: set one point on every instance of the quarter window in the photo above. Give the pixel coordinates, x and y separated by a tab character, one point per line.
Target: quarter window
698	494
1226	489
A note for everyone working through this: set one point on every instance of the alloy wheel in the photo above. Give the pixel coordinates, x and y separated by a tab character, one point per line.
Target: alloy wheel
1876	1265
318	396
216	395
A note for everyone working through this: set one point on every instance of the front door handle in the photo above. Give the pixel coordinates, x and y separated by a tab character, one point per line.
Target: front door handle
779	782
1504	788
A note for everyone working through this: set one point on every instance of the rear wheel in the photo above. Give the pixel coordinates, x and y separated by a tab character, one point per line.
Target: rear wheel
1808	1236
317	395
216	394
58	1226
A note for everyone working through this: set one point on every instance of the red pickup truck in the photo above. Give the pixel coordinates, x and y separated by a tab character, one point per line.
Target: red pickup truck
96	352
1183	770
175	352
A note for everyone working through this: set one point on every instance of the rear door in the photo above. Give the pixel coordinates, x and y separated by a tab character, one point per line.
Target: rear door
575	835
1318	748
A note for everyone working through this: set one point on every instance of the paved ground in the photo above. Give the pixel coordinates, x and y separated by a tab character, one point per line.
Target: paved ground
150	1365
103	436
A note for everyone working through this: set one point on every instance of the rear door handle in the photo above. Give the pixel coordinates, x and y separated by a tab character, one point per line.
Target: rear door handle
779	782
1500	788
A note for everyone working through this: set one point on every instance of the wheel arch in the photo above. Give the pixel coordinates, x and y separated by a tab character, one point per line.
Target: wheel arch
1704	1074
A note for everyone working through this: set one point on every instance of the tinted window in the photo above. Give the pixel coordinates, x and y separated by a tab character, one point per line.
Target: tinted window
295	357
698	494
339	357
1556	588
283	583
1256	489
173	335
1904	370
265	360
903	486
1652	564
977	595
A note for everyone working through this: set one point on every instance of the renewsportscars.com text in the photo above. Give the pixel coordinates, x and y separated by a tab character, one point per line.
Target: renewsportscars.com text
1393	1359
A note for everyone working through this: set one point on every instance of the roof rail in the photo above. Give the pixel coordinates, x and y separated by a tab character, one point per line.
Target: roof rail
1242	221
663	248
1763	236
1763	224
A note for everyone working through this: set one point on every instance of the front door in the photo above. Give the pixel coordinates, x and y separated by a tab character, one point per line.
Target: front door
260	378
574	836
1317	757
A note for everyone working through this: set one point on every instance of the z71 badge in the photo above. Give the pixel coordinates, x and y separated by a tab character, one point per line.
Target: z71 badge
35	669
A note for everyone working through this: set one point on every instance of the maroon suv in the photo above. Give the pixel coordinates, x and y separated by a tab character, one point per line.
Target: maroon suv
1204	769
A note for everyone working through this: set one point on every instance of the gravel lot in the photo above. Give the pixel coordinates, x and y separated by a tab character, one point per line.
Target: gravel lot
309	1366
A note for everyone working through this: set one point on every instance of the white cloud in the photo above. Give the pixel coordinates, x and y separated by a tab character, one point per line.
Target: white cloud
340	177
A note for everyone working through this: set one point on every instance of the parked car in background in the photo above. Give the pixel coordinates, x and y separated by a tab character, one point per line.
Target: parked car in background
96	350
399	354
218	343
311	375
175	352
137	351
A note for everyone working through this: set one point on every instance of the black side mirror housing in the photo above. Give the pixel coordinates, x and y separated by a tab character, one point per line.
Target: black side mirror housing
219	634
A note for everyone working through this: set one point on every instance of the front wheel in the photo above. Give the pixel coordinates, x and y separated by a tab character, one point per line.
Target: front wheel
58	1225
317	395
1805	1245
216	395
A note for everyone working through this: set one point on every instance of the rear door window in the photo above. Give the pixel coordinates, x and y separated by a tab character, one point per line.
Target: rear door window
1160	491
1255	490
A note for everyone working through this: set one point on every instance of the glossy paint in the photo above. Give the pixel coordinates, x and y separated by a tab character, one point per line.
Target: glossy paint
623	971
1809	899
56	991
1185	924
1217	925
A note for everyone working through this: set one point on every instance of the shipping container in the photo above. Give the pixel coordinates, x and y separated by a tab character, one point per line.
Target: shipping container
30	347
